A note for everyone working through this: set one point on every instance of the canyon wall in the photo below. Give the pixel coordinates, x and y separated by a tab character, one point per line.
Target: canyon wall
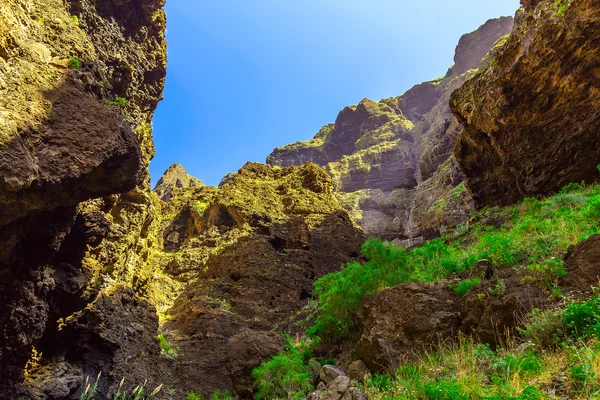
79	82
392	161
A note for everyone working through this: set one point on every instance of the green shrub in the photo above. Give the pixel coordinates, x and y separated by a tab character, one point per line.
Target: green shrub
285	376
545	328
566	199
562	7
547	273
445	389
166	347
221	395
463	287
381	382
524	364
572	187
340	294
582	319
499	288
581	374
592	210
194	396
74	63
119	101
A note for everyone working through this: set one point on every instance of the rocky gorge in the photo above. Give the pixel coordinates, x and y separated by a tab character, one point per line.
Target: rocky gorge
254	288
392	161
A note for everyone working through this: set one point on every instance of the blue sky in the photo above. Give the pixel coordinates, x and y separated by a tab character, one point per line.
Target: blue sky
247	76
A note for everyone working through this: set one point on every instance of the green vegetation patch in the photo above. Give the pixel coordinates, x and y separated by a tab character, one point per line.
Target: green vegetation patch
285	376
119	101
463	287
165	347
561	7
74	63
533	234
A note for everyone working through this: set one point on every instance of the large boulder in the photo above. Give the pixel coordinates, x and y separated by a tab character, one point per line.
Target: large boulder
582	266
397	321
246	350
495	308
405	320
357	370
329	373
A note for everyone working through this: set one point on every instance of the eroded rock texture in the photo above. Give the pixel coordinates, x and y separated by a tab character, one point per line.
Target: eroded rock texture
243	258
61	144
531	117
392	160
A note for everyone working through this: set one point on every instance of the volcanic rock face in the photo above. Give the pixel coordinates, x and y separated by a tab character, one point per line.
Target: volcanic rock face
531	117
392	161
175	177
474	46
63	143
243	257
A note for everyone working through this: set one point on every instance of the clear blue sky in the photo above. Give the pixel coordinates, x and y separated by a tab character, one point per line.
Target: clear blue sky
247	76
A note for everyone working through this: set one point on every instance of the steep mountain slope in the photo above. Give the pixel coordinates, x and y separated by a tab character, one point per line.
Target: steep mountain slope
531	117
392	161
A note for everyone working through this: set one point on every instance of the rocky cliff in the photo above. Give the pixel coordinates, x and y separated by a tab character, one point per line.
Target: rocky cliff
392	161
79	81
531	116
242	259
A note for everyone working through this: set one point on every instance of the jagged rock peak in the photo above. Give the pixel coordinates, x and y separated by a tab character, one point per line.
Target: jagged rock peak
175	177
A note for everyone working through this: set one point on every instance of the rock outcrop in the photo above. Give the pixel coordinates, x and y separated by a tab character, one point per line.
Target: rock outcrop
175	177
582	266
399	323
392	160
75	123
334	384
250	250
531	121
